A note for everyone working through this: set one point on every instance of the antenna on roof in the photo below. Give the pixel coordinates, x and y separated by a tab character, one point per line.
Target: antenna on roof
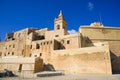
100	18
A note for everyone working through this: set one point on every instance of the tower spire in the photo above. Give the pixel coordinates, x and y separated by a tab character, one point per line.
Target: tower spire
60	16
60	23
60	13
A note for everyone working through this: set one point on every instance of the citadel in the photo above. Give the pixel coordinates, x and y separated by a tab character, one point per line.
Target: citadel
94	49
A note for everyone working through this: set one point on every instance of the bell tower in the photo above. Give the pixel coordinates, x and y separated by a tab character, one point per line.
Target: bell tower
60	22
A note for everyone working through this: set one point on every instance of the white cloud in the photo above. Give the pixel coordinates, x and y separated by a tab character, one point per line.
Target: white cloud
90	6
72	31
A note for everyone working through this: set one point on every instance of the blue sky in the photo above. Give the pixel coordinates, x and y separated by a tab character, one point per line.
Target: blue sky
19	14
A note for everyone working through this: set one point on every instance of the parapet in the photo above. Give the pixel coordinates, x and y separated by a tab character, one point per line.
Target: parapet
96	24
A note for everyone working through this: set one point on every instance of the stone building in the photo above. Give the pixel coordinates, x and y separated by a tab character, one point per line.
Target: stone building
94	49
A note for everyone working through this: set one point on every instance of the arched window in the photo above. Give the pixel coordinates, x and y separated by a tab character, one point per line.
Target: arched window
58	26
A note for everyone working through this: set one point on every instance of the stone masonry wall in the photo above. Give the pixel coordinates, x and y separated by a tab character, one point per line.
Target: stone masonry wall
93	60
111	35
20	64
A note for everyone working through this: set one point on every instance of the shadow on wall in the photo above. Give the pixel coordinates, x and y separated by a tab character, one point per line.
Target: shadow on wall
113	56
48	67
60	45
115	63
88	42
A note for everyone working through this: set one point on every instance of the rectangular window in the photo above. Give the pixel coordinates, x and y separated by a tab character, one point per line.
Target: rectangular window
47	42
56	35
68	41
12	53
37	46
0	53
44	43
35	55
9	45
30	55
8	53
51	42
30	46
40	54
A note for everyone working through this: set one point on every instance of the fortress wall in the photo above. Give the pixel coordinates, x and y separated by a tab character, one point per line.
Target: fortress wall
104	33
73	39
111	35
11	48
45	46
53	34
95	60
15	64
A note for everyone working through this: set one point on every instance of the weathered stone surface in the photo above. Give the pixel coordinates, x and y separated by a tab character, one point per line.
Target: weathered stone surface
83	52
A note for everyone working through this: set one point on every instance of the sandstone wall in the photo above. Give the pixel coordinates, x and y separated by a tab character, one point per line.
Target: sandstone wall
20	64
11	48
97	34
93	60
40	48
53	34
70	41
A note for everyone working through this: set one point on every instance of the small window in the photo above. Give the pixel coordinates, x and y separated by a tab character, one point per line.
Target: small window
40	54
30	46
41	43
12	53
47	42
63	27
4	54
58	26
30	55
56	35
44	43
9	45
51	42
37	46
35	55
8	53
0	53
68	42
